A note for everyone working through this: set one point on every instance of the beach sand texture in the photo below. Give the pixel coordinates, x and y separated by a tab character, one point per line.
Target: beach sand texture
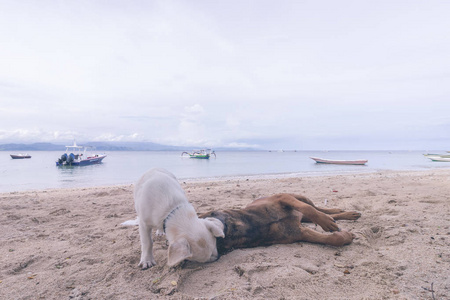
69	244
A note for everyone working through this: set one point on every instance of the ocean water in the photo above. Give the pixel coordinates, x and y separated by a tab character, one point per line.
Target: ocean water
40	172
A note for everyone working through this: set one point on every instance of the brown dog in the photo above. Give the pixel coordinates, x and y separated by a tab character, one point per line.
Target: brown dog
277	220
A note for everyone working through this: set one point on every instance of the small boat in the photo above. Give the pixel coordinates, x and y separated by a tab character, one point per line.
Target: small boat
340	162
77	156
438	157
202	154
20	156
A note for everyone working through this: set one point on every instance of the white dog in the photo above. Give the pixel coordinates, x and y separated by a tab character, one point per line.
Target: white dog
161	204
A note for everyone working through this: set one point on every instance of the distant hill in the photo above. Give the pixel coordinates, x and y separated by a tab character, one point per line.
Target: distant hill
103	146
132	146
31	147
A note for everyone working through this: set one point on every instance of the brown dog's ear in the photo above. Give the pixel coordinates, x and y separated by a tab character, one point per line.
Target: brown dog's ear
179	251
215	226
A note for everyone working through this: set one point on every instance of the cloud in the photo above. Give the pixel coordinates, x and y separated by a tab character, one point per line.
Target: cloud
211	74
192	128
36	135
110	137
196	109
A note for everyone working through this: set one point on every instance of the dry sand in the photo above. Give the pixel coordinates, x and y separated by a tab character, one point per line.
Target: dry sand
69	244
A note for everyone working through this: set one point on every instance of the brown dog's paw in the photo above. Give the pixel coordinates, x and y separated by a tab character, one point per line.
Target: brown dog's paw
327	223
353	215
341	238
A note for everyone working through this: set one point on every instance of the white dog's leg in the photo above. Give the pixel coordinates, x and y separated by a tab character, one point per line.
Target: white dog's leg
147	259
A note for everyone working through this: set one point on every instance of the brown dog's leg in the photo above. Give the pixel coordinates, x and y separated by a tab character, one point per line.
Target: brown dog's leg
335	239
346	215
336	213
308	212
327	211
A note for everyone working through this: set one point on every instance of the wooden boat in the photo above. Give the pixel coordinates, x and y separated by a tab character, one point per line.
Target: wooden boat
339	162
438	157
77	156
201	154
20	156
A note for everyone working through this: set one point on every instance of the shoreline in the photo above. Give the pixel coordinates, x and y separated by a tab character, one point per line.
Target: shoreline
68	243
268	176
274	176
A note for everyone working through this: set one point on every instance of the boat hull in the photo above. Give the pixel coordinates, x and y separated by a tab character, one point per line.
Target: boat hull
13	156
339	162
83	162
200	156
441	159
438	157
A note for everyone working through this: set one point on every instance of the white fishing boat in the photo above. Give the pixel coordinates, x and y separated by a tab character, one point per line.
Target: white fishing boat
78	156
339	162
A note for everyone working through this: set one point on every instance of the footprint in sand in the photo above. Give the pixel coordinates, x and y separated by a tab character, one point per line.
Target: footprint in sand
370	236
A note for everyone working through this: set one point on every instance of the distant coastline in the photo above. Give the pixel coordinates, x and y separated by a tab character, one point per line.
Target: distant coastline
107	146
149	146
101	146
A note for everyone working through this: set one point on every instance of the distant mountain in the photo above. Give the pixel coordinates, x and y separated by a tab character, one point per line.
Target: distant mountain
132	146
100	146
31	147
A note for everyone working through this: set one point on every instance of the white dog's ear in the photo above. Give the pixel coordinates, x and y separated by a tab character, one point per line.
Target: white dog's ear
179	251
215	226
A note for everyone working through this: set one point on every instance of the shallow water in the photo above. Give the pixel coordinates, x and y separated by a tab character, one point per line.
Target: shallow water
125	167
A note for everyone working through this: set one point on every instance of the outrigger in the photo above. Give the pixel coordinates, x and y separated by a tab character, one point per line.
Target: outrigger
202	154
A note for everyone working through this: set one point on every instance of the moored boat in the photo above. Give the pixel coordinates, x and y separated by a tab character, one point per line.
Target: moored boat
202	154
20	156
438	157
339	162
77	156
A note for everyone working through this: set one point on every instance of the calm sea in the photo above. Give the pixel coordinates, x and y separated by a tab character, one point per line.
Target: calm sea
40	172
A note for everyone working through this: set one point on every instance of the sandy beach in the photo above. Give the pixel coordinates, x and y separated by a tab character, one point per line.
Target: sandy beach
69	244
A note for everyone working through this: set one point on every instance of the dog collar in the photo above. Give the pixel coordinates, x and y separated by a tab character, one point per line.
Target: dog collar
169	215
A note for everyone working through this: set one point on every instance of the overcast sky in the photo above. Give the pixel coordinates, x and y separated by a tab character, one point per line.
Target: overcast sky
268	74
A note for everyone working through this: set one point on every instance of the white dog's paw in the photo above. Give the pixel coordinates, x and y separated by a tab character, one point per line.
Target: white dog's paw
147	264
159	233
